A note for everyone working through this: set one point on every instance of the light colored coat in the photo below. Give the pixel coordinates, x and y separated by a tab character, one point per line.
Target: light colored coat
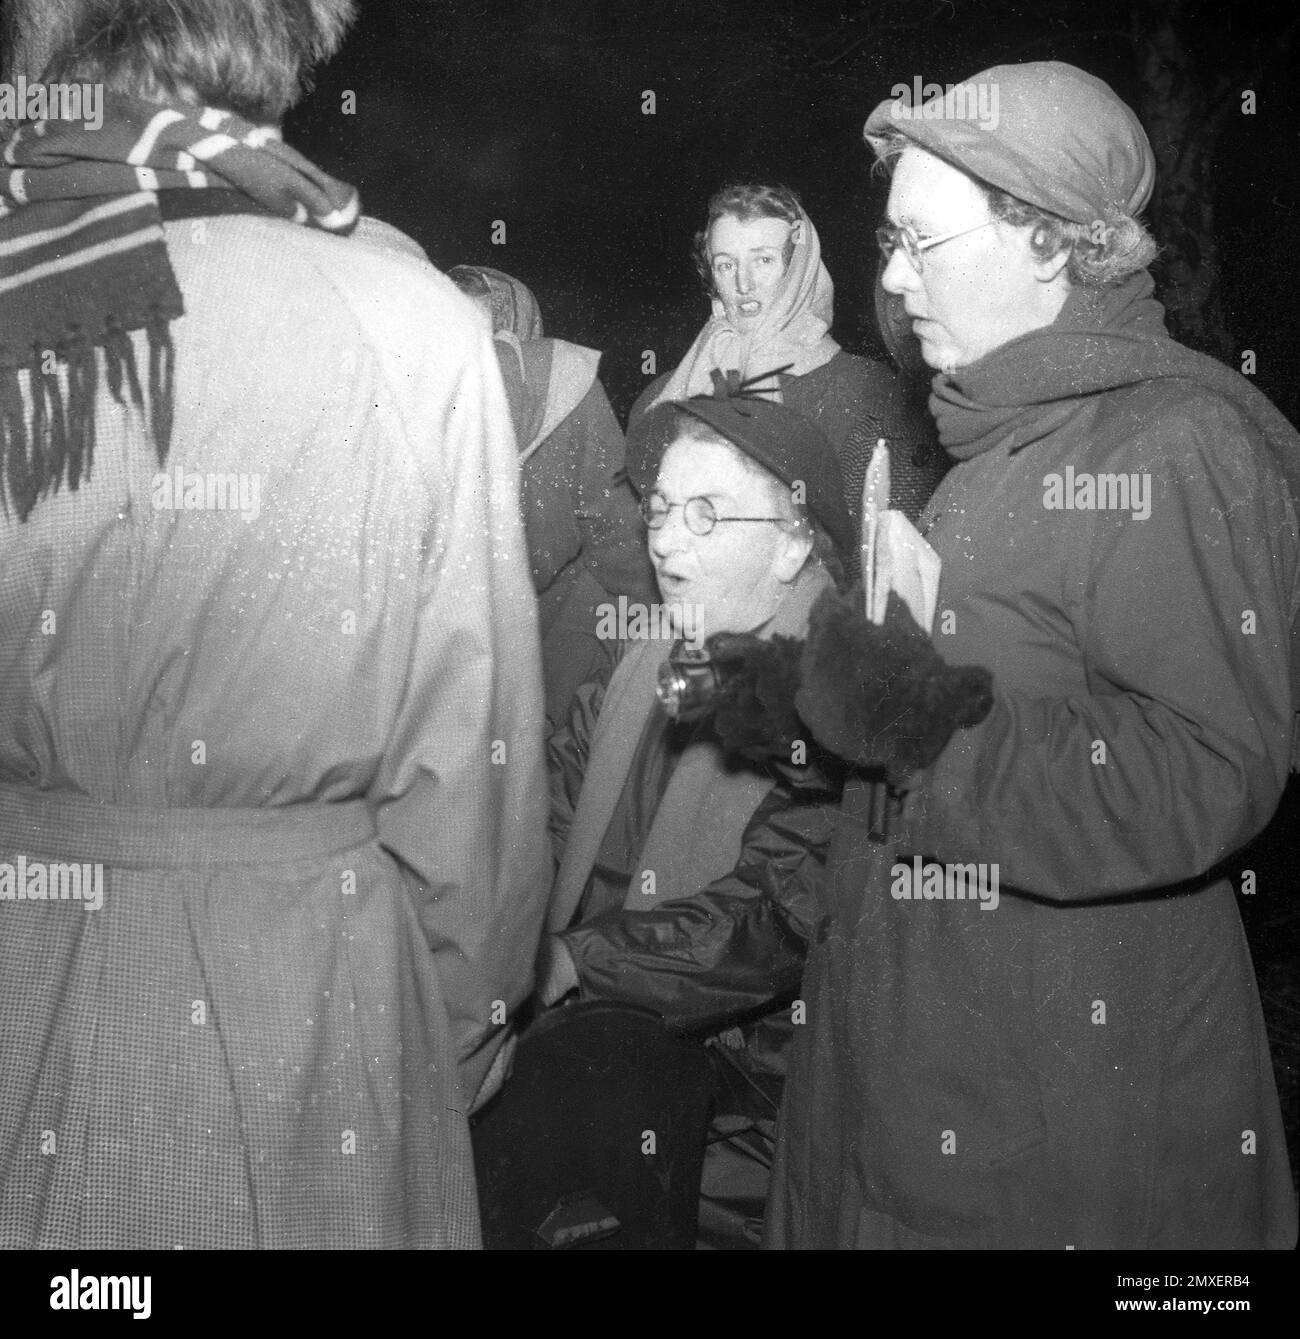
305	742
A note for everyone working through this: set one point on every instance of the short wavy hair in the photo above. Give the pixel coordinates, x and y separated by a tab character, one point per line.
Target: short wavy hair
1099	253
745	201
252	57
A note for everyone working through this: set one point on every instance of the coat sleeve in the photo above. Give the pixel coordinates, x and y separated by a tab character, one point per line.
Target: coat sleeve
608	510
567	752
1177	752
460	793
736	946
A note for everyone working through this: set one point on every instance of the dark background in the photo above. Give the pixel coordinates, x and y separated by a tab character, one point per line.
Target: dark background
529	111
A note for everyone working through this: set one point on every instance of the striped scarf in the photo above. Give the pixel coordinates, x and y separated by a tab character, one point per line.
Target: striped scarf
83	262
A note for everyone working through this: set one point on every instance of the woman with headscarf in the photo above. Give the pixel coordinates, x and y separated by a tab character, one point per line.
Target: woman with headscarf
759	257
581	522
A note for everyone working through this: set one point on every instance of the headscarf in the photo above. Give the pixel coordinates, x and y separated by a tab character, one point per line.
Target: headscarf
1046	132
793	332
514	308
545	380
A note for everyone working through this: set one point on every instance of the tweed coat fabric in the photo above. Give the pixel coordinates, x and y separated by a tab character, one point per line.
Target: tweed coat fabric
300	732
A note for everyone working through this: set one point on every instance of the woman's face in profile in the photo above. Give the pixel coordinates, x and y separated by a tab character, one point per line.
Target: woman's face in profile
747	259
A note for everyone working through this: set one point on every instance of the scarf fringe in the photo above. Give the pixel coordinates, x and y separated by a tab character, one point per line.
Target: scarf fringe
119	358
58	444
83	376
13	444
162	365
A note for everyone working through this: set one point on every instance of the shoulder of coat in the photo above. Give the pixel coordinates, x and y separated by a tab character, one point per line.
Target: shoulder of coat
642	403
846	374
1168	416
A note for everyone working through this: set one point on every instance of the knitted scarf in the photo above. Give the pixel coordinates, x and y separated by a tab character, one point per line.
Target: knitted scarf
83	262
1102	339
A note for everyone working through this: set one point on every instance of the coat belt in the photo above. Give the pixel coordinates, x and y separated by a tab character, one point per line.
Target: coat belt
68	826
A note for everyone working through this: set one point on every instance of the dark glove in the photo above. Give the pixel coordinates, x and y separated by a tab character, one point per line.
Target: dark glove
882	696
754	713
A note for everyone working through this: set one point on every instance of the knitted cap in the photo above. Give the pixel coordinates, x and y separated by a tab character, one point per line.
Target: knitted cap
785	443
1046	132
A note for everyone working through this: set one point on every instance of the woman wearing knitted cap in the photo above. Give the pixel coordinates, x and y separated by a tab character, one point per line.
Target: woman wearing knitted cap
1077	1060
688	876
759	257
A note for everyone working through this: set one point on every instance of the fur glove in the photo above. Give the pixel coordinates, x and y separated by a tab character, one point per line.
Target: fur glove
876	696
882	696
753	712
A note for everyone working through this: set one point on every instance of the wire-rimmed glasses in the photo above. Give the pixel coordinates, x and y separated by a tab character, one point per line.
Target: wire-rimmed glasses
891	236
699	513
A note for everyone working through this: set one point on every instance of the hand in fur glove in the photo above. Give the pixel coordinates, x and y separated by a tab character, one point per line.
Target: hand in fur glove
882	696
754	712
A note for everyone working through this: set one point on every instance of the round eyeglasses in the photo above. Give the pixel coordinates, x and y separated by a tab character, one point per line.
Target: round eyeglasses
698	513
891	236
